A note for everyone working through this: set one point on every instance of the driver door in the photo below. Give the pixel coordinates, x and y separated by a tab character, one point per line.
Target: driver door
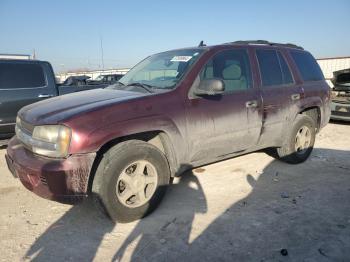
219	125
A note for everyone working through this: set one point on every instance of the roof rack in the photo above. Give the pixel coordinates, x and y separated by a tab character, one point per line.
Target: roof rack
264	42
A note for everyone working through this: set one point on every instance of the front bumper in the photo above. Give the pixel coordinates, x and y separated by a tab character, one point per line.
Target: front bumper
63	180
340	111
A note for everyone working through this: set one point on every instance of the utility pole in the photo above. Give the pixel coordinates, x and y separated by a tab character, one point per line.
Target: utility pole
103	64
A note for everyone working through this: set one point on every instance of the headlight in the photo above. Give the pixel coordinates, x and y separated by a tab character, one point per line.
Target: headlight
334	94
51	140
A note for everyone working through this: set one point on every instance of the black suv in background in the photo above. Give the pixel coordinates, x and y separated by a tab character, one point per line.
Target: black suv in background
23	82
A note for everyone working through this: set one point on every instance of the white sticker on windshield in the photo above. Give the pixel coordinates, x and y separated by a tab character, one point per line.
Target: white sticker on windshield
183	58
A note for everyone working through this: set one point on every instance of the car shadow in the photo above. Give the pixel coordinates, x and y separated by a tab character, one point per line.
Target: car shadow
75	236
296	212
78	233
165	227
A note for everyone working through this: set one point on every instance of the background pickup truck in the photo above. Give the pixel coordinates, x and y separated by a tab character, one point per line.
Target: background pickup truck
23	82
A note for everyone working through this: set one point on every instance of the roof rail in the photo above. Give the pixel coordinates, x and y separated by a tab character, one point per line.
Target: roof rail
264	42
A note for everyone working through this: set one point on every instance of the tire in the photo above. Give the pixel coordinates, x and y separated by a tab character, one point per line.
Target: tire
288	152
116	174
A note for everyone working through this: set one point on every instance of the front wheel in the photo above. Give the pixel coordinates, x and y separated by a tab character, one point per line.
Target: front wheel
131	180
299	142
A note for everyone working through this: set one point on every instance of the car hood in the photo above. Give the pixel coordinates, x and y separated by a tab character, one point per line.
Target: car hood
341	80
54	110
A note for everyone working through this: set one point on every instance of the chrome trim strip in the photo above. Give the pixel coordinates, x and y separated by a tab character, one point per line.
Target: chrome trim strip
23	88
8	124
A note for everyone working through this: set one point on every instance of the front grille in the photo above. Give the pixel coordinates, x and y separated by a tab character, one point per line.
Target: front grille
43	180
341	101
26	127
24	136
338	113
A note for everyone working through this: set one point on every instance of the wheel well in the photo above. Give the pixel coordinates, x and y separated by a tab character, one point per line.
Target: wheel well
157	138
315	114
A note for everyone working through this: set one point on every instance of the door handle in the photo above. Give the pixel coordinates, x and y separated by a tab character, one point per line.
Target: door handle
251	104
44	96
295	97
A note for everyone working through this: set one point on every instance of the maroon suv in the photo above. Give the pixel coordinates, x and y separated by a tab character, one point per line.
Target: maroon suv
173	111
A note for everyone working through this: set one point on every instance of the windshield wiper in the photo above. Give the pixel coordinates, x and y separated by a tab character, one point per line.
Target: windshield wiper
114	85
144	86
119	83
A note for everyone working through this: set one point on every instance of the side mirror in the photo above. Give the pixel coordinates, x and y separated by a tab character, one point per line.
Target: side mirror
210	87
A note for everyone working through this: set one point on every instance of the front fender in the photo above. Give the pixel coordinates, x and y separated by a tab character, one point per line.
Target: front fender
92	142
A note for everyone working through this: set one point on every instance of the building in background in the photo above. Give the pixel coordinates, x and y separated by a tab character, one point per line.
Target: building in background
332	64
328	66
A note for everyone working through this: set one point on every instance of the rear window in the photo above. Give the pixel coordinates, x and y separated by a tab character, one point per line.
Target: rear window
307	65
274	70
270	69
18	75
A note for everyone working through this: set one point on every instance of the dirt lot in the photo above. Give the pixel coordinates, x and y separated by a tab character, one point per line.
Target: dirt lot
245	209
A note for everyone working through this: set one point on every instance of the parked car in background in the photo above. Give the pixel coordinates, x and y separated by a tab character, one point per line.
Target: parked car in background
173	111
23	82
106	79
341	95
76	80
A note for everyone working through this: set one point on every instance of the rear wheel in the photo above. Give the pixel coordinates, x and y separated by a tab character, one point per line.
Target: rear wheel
299	142
131	180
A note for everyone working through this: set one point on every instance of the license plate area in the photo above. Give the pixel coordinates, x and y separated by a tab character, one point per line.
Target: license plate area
10	166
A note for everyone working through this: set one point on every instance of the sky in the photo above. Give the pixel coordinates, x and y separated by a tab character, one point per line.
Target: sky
69	33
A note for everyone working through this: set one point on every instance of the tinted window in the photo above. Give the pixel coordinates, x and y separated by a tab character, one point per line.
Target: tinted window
232	67
17	75
286	74
307	65
270	69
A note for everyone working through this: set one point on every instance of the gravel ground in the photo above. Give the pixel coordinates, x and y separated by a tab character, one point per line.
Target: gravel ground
250	208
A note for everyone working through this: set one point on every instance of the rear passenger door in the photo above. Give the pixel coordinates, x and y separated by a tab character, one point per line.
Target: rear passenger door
21	83
278	89
227	123
312	84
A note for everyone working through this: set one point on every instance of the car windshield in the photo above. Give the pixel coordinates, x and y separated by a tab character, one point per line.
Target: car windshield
161	71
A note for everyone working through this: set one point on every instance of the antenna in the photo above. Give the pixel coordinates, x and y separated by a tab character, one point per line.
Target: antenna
201	44
103	64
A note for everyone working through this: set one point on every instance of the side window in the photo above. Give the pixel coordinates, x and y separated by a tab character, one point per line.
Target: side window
307	65
232	66
21	75
286	74
270	69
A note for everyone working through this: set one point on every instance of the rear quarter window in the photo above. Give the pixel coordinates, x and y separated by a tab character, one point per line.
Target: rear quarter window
307	65
21	75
